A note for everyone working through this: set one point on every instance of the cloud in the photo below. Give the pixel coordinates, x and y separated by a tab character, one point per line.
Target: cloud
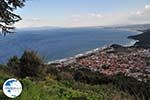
92	19
147	7
84	20
35	22
95	15
95	19
30	23
141	16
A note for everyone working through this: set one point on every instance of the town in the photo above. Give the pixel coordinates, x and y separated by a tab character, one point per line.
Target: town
111	60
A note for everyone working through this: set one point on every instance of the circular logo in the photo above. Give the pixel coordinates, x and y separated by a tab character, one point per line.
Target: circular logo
12	88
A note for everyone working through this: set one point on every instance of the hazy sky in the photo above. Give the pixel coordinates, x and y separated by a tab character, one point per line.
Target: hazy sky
76	13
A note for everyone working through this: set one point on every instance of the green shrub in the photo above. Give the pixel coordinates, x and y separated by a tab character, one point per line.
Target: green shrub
29	65
14	64
64	76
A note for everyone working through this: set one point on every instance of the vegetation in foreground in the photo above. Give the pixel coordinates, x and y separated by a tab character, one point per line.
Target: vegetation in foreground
43	82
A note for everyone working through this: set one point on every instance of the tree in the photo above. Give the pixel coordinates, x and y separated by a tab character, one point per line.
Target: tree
13	65
7	17
31	65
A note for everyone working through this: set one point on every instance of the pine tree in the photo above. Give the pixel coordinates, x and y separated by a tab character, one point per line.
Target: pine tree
7	17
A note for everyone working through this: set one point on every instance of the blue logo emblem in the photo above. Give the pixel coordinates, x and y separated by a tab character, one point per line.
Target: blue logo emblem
12	88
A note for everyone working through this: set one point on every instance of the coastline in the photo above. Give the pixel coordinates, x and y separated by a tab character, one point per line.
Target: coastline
131	30
72	58
86	53
143	40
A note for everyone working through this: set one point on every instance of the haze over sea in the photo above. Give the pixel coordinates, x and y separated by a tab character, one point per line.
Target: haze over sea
54	44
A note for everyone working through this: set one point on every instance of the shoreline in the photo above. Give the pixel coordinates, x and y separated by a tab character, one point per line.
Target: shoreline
143	40
86	53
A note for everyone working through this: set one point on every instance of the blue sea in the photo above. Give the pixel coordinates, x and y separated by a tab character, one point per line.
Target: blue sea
54	44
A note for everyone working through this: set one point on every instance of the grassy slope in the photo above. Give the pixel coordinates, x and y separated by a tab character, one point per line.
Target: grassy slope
51	89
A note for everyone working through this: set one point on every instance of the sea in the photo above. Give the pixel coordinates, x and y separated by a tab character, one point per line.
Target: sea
59	43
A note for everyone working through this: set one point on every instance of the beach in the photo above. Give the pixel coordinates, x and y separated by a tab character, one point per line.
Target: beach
73	58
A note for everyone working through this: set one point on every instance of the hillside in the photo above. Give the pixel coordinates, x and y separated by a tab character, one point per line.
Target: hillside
81	81
51	89
143	39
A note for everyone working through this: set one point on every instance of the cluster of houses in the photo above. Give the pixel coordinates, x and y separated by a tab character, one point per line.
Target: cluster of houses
134	62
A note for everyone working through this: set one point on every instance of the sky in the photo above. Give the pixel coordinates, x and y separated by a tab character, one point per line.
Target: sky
80	13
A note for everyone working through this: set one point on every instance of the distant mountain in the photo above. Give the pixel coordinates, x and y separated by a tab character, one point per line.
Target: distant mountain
129	27
134	27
